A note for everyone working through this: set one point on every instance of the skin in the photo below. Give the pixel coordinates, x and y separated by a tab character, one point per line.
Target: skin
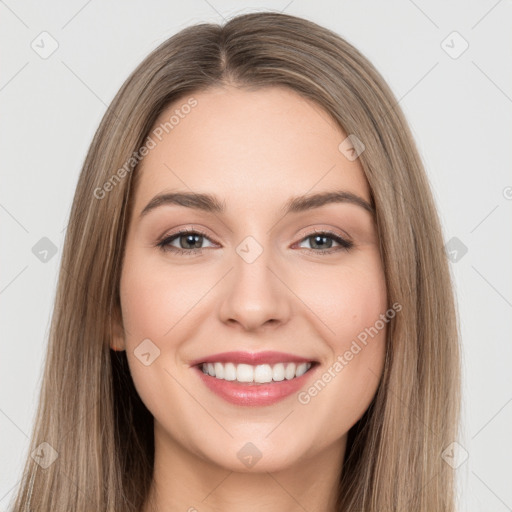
254	150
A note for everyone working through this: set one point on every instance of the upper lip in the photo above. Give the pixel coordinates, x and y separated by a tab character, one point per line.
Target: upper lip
252	358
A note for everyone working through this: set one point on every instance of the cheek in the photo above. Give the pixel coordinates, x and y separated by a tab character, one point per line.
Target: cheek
362	302
155	298
351	311
347	299
346	384
157	304
154	303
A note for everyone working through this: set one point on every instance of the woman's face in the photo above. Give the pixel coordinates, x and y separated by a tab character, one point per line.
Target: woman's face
262	290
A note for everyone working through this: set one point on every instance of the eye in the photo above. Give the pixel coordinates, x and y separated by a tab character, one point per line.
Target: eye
324	240
188	241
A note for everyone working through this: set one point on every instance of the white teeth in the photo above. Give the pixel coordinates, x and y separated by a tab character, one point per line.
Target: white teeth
260	374
229	371
219	370
263	373
289	372
244	373
301	369
278	372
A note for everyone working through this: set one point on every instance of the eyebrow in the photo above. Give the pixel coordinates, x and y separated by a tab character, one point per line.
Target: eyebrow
210	203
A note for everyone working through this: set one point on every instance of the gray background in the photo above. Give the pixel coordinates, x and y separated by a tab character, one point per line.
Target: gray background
459	108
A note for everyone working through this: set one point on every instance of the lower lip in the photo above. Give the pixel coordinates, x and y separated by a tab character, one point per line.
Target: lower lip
254	394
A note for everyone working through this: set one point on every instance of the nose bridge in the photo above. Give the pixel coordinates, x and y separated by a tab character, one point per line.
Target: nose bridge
254	294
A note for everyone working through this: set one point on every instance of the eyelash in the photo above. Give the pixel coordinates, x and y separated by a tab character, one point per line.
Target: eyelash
345	245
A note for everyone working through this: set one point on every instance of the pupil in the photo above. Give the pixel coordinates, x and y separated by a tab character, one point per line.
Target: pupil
320	238
192	239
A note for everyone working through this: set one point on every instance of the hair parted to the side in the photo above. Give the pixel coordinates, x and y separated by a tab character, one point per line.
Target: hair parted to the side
89	411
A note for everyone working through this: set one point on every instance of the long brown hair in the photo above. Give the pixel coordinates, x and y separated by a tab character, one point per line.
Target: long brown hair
90	416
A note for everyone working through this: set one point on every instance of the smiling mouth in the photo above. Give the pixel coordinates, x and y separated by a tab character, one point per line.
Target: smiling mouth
255	374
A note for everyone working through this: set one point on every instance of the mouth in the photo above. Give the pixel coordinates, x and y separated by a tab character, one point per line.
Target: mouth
255	374
261	379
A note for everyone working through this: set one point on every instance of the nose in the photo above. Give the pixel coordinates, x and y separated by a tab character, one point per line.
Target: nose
256	295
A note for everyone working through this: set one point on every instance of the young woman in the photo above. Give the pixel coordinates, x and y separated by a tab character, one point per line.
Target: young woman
254	309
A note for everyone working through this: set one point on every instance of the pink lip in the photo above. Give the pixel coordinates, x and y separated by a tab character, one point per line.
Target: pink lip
269	357
250	394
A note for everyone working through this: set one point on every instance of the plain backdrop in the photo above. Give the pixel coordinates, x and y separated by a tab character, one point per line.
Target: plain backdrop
449	64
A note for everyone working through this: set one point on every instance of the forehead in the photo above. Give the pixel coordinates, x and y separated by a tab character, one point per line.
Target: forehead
248	146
